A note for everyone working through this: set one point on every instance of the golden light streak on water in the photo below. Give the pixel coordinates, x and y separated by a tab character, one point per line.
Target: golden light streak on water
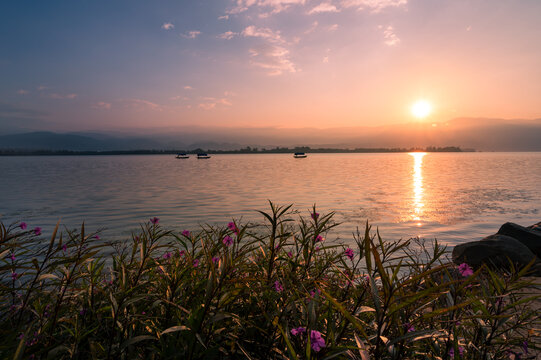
418	190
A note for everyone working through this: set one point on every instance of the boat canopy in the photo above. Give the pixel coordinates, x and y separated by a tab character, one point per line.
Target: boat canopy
299	153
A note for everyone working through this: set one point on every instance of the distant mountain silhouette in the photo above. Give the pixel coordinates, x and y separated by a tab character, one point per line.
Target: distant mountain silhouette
477	133
52	141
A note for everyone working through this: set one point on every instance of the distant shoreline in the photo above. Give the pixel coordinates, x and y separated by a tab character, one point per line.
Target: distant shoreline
248	150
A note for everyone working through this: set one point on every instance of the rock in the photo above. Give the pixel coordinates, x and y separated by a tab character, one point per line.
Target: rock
530	237
495	251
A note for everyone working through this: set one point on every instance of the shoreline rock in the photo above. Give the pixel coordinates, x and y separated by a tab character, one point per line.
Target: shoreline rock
512	243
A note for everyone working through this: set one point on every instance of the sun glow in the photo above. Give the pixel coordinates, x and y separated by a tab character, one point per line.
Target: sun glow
418	190
421	109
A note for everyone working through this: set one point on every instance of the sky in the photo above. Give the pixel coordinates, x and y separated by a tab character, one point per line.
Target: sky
102	65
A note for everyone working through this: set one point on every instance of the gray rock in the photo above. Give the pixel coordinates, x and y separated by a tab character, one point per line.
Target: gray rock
495	251
530	237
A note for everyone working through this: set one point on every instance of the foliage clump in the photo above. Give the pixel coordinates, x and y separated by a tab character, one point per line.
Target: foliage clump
274	290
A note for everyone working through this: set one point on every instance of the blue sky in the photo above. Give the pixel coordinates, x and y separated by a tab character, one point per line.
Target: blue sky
120	65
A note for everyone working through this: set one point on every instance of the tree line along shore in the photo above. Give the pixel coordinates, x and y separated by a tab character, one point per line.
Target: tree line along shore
246	150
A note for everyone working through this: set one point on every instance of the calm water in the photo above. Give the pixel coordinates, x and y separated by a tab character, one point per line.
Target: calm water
454	197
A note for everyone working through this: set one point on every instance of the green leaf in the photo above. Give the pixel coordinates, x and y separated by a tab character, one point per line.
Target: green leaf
135	340
174	329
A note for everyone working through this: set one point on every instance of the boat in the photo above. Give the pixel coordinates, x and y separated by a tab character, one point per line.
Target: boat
182	156
299	155
203	156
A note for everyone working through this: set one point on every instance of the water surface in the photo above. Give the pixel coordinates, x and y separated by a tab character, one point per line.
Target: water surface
455	197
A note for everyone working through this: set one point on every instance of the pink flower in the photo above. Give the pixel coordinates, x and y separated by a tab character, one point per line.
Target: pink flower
167	255
97	237
186	233
196	263
233	227
37	230
23	225
314	215
316	340
215	259
290	254
154	220
349	253
319	238
12	257
313	292
181	253
465	270
228	240
298	331
14	275
452	353
64	248
460	350
278	287
409	327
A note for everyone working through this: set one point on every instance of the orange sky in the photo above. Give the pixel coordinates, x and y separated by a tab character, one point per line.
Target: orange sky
259	63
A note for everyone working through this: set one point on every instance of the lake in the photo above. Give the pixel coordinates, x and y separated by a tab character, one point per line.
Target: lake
454	197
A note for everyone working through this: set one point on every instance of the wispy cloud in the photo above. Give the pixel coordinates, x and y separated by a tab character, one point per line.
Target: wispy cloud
273	58
191	34
269	6
389	35
22	92
42	87
323	8
228	35
373	5
223	17
211	103
62	96
102	105
168	26
332	27
188	87
265	33
140	104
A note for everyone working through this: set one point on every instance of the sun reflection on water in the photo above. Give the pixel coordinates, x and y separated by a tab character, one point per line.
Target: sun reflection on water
418	190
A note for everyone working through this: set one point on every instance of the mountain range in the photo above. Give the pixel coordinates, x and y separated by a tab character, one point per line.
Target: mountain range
478	133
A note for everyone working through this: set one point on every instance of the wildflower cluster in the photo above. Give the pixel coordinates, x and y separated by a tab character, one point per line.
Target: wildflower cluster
271	290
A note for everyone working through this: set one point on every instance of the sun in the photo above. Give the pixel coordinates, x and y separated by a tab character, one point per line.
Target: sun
421	109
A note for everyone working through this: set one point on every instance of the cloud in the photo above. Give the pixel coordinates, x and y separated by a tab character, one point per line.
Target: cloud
323	8
332	27
211	103
373	5
265	33
273	58
275	6
168	26
42	87
223	17
188	87
62	96
390	37
191	34
140	104
468	28
102	105
228	35
22	92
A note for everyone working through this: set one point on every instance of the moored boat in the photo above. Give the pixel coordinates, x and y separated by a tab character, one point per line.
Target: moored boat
182	156
203	156
299	155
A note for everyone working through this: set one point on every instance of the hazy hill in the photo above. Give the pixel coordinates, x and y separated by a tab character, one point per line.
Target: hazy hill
477	133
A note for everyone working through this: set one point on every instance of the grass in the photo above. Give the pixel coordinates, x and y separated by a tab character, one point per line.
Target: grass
270	290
